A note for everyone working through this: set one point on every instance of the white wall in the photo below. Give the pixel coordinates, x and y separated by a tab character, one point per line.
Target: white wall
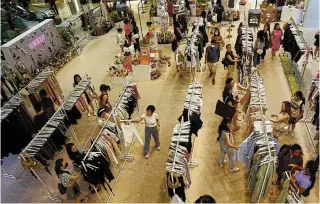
311	17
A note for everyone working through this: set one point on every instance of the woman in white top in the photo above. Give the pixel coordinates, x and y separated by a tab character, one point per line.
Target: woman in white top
232	87
121	39
152	123
178	55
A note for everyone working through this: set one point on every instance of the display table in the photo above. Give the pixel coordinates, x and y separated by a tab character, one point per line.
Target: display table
141	72
289	11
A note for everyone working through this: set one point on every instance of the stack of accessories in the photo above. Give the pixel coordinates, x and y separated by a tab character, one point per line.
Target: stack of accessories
117	72
165	37
242	2
118	60
135	59
164	59
227	15
177	170
155	74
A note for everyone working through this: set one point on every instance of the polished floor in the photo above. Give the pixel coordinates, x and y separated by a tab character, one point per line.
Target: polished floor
144	180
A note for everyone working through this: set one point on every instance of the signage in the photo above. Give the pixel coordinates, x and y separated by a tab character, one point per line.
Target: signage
36	42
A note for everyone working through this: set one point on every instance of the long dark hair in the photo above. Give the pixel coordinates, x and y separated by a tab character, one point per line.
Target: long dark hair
300	95
260	35
275	26
313	168
214	32
268	25
74	79
287	107
174	45
223	127
43	94
58	167
104	88
74	156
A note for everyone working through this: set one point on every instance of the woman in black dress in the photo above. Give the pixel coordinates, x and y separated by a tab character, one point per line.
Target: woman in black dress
46	103
77	79
177	28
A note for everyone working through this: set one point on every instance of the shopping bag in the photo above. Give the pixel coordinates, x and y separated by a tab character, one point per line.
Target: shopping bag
223	110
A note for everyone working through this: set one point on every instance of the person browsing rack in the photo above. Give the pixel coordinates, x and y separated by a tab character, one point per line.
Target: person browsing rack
152	127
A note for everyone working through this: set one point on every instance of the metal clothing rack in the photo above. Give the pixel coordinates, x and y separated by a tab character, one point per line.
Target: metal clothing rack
245	57
43	136
266	139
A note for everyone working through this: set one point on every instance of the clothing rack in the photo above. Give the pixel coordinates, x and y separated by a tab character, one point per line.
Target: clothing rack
16	100
42	136
266	137
246	65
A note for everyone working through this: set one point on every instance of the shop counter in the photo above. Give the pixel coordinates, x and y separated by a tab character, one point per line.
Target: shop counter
141	72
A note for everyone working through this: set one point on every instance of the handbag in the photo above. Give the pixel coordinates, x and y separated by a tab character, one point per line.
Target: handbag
62	189
223	110
259	51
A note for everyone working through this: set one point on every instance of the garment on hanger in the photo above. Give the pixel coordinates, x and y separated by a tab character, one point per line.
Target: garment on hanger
129	131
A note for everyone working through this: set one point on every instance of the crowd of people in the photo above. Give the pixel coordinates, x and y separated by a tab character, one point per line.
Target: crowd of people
290	157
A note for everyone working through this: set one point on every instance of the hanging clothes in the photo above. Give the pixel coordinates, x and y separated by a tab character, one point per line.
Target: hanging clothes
129	131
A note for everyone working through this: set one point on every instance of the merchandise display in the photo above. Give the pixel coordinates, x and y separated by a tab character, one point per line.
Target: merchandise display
119	136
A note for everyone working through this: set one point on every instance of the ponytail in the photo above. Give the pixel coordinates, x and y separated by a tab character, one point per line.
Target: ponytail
313	168
58	166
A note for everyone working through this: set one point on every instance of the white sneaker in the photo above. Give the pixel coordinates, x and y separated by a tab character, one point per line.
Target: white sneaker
89	114
94	113
224	162
159	148
147	156
234	170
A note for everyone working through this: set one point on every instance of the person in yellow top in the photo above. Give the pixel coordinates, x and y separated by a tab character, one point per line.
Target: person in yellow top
153	41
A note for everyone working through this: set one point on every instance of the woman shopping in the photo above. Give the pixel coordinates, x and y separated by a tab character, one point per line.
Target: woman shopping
178	55
231	60
225	140
297	108
267	37
305	178
258	48
47	103
68	181
289	155
276	39
219	40
177	28
281	126
104	98
76	80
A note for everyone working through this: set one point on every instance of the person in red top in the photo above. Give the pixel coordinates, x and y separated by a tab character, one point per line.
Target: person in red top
170	8
127	30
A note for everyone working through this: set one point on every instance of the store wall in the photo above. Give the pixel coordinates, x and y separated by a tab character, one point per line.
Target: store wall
311	17
311	21
41	39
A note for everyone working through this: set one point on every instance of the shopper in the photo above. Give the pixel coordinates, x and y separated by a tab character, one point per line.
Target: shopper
152	127
76	157
231	87
41	118
53	6
225	140
153	41
127	30
218	9
267	37
219	40
230	59
177	28
47	103
205	199
316	44
179	57
289	154
297	108
211	58
276	38
136	39
121	39
104	98
76	80
68	181
258	48
281	126
305	179
170	9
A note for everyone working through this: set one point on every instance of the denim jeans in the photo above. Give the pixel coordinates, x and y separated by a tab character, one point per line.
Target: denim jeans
225	150
256	59
148	132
